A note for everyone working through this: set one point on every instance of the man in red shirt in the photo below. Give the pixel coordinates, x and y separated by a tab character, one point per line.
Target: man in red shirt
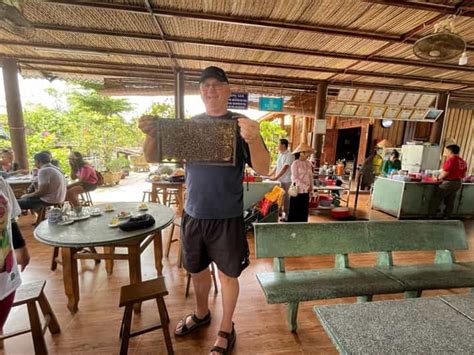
454	170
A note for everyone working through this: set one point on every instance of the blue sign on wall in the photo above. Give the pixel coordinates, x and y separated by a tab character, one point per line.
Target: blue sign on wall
270	104
238	101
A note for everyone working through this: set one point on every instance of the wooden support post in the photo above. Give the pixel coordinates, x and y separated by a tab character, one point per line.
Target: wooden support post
179	93
318	138
437	127
15	112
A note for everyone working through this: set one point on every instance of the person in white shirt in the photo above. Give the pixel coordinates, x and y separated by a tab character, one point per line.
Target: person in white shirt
51	185
282	172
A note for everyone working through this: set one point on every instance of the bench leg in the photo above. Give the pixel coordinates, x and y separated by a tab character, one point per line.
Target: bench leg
363	299
125	329
292	313
413	294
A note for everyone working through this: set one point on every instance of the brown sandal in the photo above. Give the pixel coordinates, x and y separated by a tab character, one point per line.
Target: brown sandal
231	337
197	322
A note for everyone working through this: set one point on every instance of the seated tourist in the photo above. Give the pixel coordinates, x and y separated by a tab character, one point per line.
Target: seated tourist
51	185
8	165
86	176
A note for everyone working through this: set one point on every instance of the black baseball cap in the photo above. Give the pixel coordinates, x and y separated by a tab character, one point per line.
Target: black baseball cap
213	72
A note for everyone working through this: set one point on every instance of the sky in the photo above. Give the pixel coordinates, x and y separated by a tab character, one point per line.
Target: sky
33	92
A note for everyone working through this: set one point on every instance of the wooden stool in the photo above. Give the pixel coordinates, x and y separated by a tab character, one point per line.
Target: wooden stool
85	199
214	280
177	223
136	293
29	294
172	197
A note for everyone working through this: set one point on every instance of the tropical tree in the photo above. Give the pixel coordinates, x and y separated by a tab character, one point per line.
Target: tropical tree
271	134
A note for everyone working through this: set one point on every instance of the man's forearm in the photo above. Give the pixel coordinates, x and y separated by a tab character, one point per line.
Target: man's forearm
282	172
150	149
260	157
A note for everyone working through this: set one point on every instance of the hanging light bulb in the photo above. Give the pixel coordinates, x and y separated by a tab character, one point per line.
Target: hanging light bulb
463	58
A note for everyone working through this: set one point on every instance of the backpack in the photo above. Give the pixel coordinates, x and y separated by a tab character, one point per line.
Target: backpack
100	178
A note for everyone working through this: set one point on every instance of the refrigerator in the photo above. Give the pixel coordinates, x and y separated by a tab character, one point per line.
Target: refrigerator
416	158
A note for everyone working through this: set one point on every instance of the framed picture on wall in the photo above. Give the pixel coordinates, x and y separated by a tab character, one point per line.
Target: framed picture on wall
362	95
392	112
405	114
349	110
410	99
377	111
363	111
395	98
346	94
418	114
426	100
379	97
334	107
433	114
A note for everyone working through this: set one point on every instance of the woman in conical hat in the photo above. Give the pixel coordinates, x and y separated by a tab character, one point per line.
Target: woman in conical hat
302	177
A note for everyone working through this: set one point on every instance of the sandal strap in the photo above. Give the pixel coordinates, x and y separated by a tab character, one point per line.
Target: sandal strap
197	320
223	334
218	349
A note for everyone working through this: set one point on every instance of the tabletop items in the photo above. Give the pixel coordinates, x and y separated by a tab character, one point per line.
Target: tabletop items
66	215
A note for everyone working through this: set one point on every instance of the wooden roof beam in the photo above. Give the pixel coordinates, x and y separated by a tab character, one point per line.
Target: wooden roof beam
250	46
251	22
192	75
151	68
462	10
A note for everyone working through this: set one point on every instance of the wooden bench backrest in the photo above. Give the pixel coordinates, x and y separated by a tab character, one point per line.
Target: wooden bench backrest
308	239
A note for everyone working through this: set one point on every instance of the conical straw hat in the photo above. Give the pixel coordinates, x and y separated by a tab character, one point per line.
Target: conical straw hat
303	147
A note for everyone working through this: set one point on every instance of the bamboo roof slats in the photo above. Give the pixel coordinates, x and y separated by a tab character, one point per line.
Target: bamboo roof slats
284	45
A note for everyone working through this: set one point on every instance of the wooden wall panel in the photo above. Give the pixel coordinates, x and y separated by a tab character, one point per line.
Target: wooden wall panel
393	134
330	145
459	129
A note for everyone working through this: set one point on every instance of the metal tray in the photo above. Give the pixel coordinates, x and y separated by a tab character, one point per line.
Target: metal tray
205	141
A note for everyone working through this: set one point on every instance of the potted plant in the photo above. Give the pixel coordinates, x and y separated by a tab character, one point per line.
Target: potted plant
113	172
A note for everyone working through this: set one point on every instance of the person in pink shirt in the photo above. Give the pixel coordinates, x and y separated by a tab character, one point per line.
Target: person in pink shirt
86	176
302	177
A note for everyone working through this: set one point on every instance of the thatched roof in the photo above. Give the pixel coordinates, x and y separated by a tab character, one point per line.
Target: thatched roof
274	46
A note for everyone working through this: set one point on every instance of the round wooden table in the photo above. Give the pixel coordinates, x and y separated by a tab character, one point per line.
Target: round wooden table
165	185
95	232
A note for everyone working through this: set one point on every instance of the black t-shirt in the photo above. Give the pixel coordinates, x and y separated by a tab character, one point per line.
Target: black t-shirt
216	192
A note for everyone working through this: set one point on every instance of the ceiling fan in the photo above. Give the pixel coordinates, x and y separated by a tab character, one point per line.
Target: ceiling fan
442	44
12	20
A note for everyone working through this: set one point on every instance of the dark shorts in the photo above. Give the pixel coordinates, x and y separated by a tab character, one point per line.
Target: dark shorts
222	241
88	187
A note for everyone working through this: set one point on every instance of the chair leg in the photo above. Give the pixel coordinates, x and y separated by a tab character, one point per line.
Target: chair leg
170	240
165	323
53	324
54	263
180	255
125	329
93	250
144	196
36	329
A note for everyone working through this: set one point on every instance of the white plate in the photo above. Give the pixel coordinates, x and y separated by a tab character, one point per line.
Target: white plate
113	225
96	214
111	210
65	223
125	216
81	217
143	209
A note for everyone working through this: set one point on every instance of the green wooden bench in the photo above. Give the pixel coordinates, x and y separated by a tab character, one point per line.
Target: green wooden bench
342	238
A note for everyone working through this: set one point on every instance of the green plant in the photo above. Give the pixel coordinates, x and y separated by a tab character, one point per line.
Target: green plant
271	134
114	165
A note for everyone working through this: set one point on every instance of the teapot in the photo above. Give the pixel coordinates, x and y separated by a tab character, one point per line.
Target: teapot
55	215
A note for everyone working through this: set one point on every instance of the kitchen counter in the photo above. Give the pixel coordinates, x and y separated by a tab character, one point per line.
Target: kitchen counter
408	199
